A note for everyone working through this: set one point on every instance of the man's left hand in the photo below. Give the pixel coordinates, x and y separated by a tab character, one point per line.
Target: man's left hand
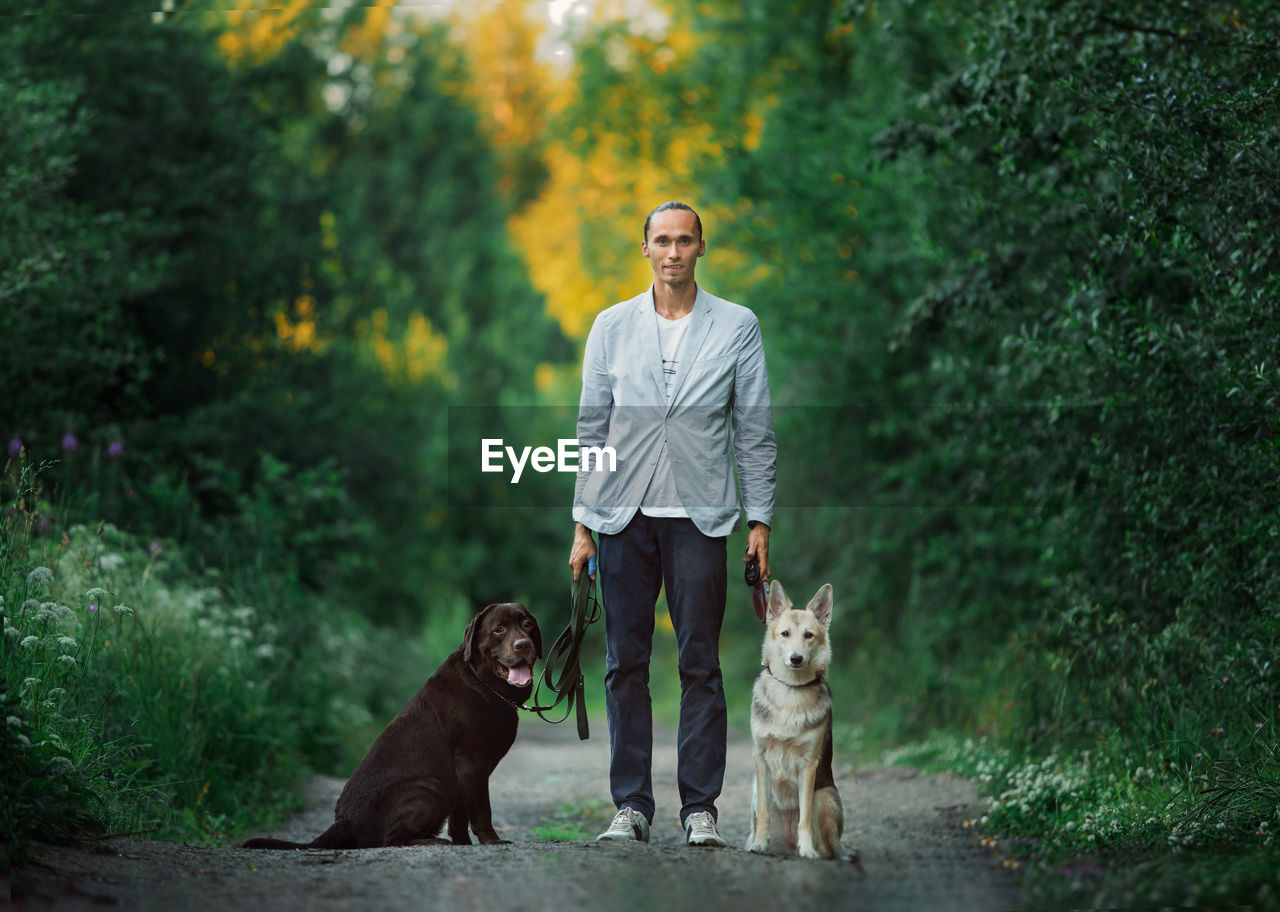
758	548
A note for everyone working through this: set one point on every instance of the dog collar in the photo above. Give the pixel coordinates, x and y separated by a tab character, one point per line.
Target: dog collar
817	680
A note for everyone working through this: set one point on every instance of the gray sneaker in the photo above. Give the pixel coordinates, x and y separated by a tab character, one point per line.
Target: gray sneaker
701	829
628	823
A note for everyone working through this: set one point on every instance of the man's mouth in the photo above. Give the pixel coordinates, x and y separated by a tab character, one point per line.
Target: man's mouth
517	675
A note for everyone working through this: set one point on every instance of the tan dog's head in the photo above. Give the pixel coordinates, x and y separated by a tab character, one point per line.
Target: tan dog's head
503	641
795	646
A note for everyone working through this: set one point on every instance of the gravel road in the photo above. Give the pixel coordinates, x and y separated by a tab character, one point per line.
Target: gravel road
908	828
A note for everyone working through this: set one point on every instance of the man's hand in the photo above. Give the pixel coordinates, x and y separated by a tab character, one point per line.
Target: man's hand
758	548
584	546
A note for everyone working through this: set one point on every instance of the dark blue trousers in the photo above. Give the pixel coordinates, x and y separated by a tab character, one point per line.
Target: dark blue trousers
633	565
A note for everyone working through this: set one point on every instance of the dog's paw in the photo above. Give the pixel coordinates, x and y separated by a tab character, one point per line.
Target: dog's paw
808	851
760	846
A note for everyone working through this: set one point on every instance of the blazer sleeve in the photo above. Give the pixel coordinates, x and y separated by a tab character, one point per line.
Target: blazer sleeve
755	447
595	407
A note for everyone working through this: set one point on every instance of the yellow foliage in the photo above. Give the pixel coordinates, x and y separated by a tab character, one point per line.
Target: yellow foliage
418	354
256	30
510	88
298	332
366	41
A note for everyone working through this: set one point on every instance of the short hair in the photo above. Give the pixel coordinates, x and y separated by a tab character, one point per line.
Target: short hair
671	204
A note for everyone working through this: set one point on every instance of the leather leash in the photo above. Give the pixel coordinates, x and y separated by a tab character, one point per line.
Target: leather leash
561	671
759	589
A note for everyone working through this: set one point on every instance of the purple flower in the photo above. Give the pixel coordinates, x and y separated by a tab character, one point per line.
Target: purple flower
69	443
115	449
15	447
154	548
1225	679
93	607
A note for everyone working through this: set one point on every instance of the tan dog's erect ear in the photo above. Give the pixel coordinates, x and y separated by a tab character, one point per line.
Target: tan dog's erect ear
469	636
778	601
820	605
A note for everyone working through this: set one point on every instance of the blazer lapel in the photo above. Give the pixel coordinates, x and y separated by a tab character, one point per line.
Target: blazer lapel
699	326
646	329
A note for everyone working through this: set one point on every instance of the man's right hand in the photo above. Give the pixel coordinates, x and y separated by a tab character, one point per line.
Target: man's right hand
584	548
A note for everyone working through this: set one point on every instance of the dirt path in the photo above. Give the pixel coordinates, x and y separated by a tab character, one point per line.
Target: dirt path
908	828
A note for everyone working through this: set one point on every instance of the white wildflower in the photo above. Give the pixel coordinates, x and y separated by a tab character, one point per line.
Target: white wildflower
244	612
265	651
110	562
24	741
95	594
11	633
61	764
29	642
13	722
68	661
123	611
67	642
40	576
30	605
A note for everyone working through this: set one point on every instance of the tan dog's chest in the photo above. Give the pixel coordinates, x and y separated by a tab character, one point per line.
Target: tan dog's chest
788	726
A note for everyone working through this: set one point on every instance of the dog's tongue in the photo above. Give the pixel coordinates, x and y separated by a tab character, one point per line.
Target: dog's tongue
519	676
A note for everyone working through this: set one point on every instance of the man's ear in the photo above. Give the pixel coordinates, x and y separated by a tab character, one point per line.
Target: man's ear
469	635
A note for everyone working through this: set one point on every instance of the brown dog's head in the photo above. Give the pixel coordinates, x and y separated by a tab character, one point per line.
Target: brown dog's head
503	641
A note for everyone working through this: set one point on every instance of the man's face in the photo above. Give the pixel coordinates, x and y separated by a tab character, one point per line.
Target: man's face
673	247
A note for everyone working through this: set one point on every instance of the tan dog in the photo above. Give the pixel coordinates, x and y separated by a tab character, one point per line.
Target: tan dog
432	763
794	789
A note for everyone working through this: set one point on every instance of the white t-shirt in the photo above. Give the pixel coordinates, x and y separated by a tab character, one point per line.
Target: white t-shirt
661	499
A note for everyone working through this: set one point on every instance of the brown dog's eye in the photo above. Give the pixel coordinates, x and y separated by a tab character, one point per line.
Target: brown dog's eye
528	624
499	630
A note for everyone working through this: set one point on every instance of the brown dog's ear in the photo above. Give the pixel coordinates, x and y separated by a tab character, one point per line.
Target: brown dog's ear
778	601
469	636
536	636
820	605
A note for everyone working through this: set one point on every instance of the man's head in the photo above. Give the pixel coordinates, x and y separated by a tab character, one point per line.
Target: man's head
673	242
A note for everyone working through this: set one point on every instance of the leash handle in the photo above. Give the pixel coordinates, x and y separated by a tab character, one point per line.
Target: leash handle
759	588
561	670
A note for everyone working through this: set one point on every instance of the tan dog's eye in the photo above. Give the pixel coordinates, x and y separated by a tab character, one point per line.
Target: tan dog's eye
808	634
785	634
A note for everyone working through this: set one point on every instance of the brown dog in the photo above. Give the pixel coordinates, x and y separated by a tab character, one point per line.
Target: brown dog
433	761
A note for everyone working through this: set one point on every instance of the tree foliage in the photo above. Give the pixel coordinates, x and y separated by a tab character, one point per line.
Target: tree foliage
267	252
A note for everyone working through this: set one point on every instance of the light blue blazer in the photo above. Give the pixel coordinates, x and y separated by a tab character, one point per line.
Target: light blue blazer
720	415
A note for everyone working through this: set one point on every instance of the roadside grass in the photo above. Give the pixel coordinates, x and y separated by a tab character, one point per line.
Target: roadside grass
1119	827
145	695
574	822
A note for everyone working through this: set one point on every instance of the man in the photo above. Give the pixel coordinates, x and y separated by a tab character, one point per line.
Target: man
670	379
